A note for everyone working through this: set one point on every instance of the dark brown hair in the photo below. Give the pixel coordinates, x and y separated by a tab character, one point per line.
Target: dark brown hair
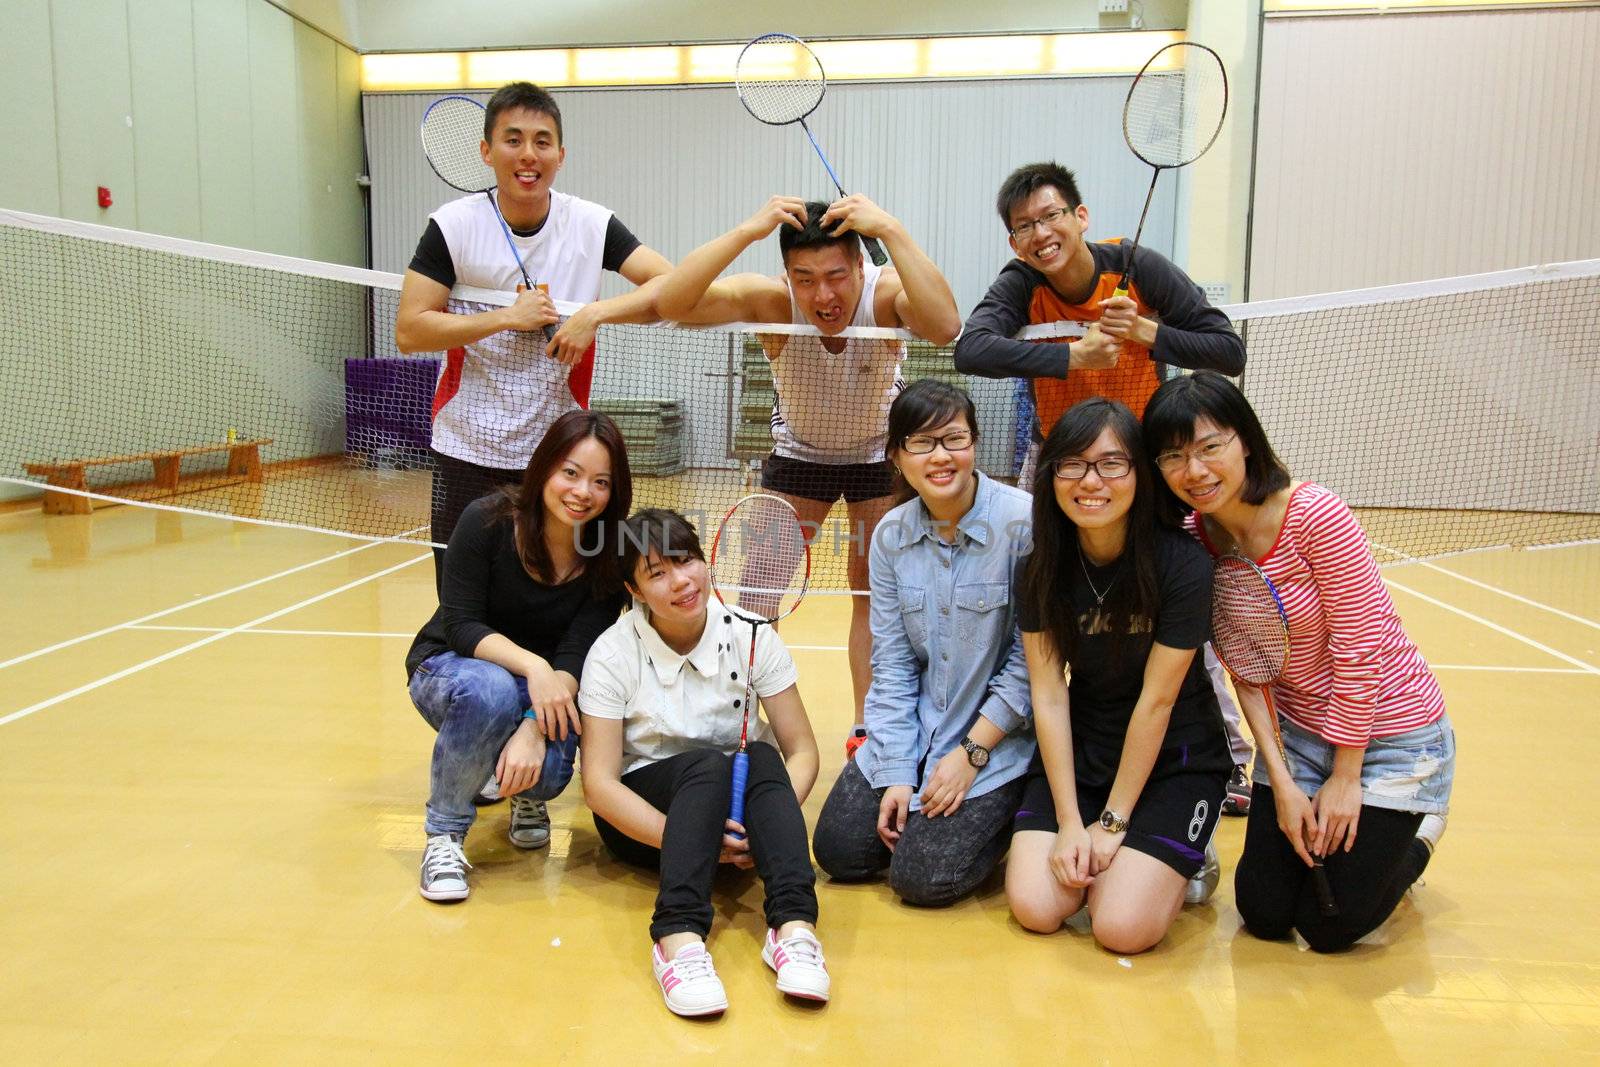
1169	420
596	535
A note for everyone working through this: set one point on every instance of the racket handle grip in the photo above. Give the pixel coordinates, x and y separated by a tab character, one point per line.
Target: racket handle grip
550	329
1319	881
741	775
875	250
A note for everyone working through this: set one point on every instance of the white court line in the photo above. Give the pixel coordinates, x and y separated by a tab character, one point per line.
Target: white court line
1522	670
1494	588
58	646
792	648
210	639
1588	668
282	633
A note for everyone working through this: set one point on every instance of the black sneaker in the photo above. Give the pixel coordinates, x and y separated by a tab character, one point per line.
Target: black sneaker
1237	802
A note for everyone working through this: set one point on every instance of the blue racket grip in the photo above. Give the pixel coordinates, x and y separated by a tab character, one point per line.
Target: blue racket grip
875	250
741	774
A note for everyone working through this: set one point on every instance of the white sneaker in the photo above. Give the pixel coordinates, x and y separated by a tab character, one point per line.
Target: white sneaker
1204	883
801	970
530	822
489	794
1431	830
689	982
444	868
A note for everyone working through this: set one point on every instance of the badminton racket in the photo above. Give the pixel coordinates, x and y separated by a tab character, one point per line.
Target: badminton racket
1250	632
780	80
452	129
1172	115
760	564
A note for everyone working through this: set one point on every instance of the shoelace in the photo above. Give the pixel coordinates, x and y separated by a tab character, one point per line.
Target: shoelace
443	856
689	968
803	950
526	808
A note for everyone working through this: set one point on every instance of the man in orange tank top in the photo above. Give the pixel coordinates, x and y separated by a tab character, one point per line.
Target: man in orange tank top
1164	321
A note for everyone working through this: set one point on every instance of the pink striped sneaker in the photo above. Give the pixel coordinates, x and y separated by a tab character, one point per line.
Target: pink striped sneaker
688	981
798	961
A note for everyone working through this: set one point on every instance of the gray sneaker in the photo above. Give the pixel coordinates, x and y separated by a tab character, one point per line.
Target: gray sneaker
1204	883
530	822
444	868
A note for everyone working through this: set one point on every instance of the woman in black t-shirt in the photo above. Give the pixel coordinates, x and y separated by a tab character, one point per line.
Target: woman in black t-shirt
530	580
1137	772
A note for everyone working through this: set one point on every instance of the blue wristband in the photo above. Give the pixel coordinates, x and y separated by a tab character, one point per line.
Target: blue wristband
529	713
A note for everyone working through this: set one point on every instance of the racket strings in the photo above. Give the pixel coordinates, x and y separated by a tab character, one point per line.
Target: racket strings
757	562
1173	114
1247	627
451	133
779	79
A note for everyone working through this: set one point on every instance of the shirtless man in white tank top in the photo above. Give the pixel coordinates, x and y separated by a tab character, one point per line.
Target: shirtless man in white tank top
834	391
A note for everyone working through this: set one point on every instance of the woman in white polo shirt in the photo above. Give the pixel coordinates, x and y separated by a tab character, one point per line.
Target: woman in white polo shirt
661	711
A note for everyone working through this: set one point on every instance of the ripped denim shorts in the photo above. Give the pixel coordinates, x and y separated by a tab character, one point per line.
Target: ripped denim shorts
1413	771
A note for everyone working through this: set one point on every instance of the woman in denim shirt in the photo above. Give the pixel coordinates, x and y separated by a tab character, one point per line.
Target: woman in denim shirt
931	794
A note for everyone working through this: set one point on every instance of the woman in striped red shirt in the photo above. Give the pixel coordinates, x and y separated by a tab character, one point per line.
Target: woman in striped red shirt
1371	752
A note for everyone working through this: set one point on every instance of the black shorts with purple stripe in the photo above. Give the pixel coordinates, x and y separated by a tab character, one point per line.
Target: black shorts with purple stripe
826	482
1177	810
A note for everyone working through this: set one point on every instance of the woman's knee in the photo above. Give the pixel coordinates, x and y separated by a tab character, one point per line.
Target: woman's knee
487	689
1126	932
1035	912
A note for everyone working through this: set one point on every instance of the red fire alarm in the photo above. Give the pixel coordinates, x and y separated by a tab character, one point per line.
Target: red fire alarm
103	196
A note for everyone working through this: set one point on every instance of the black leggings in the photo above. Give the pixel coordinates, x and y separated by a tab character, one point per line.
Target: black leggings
457	483
692	789
1272	885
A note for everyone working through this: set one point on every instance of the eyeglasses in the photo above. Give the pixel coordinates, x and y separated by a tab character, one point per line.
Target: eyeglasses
1107	467
1210	453
921	444
1048	219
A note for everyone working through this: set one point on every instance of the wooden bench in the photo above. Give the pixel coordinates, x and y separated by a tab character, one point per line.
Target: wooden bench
244	465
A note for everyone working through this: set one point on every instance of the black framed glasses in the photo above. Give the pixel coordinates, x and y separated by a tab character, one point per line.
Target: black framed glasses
920	444
1048	219
1108	468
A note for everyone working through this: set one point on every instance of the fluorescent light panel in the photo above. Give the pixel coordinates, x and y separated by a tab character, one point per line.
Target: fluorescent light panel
1010	55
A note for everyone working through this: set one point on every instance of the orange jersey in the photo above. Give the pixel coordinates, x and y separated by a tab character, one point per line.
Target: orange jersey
1191	334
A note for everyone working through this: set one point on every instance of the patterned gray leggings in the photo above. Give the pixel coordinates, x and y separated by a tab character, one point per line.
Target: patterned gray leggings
936	862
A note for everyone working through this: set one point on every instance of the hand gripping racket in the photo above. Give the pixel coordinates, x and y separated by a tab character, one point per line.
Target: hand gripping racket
1250	632
452	129
756	566
780	80
1172	115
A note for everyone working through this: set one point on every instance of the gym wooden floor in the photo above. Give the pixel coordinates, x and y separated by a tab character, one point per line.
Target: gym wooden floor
212	781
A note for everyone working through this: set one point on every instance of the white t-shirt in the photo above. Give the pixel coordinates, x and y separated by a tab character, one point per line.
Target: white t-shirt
835	408
509	391
671	703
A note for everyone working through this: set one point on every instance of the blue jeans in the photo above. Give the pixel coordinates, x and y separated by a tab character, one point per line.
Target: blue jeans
476	706
1413	771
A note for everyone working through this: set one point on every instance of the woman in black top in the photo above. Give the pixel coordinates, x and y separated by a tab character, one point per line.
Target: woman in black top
1119	807
530	580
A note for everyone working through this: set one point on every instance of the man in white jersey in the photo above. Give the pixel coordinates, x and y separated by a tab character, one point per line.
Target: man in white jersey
501	385
834	392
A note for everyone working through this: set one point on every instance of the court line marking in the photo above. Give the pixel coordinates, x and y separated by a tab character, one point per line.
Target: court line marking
58	646
1489	667
1588	668
281	633
792	648
207	640
1519	598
